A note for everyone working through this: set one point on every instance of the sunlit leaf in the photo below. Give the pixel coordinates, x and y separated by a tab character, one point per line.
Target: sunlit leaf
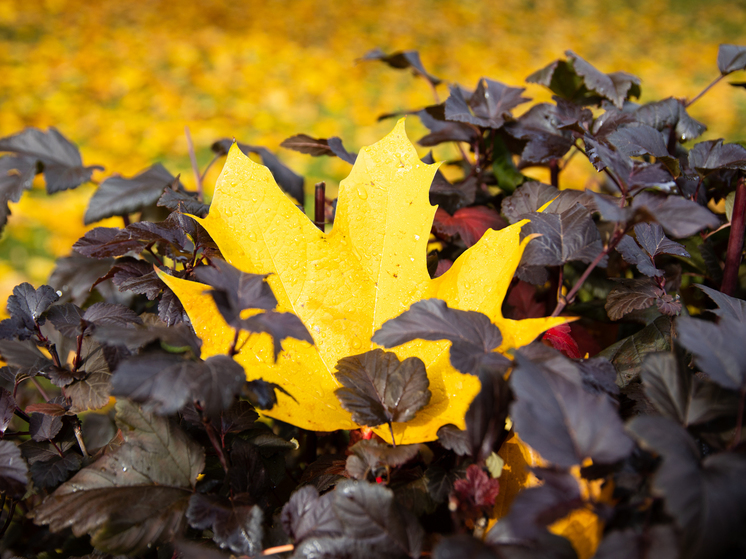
345	284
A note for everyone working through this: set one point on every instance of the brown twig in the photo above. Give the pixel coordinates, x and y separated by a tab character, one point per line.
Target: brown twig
705	90
564	301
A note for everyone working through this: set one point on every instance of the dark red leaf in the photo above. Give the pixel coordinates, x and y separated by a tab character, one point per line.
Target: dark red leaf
469	223
561	339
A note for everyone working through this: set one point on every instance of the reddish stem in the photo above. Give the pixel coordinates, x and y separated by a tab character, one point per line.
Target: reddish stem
319	219
564	301
554	171
735	240
705	90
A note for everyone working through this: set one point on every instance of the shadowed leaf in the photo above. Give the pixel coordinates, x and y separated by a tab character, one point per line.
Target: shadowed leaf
667	385
678	217
731	58
562	421
727	306
374	458
120	196
308	515
62	165
134	496
473	337
714	350
402	60
631	294
378	388
705	497
13	470
235	525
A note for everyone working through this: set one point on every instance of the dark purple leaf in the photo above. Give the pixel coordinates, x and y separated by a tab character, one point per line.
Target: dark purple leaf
13	470
120	196
137	276
670	113
627	354
50	473
713	154
731	58
705	497
170	309
135	496
598	376
106	314
667	385
370	514
442	130
727	306
263	394
308	515
463	546
157	380
370	459
473	337
402	60
453	438
60	158
247	473
654	241
16	176
659	541
566	237
545	148
715	349
215	382
90	393
235	525
485	418
489	106
615	87
572	116
608	207
318	147
535	508
639	140
7	409
378	388
44	427
631	294
74	277
177	338
176	200
679	217
279	325
528	198
239	417
24	357
67	319
603	157
563	421
29	304
95	243
234	290
633	254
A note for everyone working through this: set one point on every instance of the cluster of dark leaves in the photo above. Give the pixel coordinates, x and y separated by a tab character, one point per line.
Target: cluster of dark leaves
637	396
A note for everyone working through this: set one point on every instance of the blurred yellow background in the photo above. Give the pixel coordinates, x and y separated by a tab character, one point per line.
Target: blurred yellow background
122	79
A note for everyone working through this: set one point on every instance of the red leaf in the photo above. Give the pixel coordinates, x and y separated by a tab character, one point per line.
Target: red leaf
469	223
478	490
522	298
443	266
559	337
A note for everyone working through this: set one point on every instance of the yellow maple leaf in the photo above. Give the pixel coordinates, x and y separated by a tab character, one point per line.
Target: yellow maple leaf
345	284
